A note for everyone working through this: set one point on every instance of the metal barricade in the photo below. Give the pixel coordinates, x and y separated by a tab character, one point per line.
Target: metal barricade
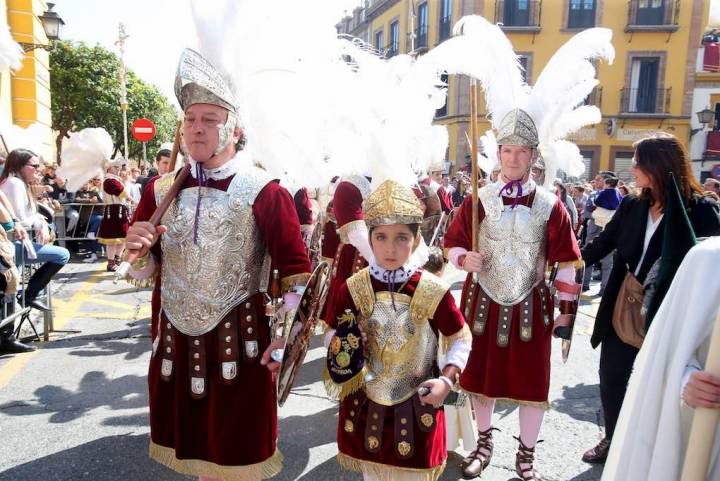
83	213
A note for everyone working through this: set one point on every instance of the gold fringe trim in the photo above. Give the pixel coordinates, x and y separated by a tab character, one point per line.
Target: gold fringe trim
295	280
339	392
197	467
576	264
110	242
544	405
141	283
387	472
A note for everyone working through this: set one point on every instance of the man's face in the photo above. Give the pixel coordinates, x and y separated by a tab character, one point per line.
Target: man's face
135	173
599	182
201	130
515	161
712	185
436	176
163	165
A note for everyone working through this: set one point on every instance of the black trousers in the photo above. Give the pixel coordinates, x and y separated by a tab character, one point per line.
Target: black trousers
616	363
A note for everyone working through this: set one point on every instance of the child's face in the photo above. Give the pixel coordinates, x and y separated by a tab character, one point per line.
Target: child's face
392	245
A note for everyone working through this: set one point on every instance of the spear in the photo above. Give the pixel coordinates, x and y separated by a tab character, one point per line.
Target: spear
474	159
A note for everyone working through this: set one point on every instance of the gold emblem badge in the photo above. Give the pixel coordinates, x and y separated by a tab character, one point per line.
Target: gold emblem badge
349	426
343	359
335	345
373	442
353	340
427	420
404	448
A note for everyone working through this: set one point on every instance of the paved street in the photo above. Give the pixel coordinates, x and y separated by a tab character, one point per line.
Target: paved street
77	408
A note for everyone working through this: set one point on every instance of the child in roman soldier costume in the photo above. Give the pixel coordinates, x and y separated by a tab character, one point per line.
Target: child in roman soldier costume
523	231
116	215
386	323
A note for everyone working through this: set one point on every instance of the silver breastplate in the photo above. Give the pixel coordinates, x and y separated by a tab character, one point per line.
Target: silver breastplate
203	281
401	352
514	244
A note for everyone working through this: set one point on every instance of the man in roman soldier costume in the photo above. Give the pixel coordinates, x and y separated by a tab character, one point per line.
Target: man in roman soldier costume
303	207
391	423
508	233
116	215
212	395
522	229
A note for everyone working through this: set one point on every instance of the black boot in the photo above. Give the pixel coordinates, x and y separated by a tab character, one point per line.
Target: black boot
9	344
37	283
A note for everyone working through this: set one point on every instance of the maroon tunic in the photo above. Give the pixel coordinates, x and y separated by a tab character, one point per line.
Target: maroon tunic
347	205
521	370
234	425
430	449
115	220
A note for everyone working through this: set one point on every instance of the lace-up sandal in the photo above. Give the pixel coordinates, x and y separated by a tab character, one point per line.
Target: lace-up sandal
475	463
526	456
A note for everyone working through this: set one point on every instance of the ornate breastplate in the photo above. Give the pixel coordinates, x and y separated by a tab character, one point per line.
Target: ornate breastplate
514	244
203	281
402	346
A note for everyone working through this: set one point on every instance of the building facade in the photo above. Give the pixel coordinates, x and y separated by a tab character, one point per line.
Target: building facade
648	88
25	94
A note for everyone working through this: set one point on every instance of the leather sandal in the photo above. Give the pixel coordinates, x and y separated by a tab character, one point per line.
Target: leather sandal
475	463
526	455
599	453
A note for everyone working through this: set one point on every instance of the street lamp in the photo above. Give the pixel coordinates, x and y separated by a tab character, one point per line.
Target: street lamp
52	23
705	116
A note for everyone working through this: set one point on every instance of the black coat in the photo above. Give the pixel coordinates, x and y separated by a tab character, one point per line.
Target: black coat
625	233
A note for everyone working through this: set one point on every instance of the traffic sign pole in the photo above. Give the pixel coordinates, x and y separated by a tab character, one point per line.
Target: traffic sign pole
144	154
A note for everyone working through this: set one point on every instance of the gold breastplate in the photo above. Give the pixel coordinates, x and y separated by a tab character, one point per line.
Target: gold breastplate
401	347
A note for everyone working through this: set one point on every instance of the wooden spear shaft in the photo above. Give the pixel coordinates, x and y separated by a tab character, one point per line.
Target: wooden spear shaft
705	422
176	146
474	160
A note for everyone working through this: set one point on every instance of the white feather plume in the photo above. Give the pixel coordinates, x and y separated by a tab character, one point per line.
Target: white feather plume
83	156
11	54
30	138
482	51
488	159
308	114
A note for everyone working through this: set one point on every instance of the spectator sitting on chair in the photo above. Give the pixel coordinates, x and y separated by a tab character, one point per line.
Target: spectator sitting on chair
20	171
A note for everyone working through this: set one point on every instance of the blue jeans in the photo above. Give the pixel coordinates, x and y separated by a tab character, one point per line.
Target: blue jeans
45	253
94	227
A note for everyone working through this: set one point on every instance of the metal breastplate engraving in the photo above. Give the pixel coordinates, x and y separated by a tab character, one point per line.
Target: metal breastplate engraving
514	244
401	352
203	281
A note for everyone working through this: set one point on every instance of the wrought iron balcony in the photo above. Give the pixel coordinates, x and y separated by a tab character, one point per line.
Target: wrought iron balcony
421	37
518	15
644	101
445	28
663	17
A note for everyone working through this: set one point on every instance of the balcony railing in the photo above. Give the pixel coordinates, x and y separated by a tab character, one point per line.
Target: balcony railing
712	146
392	49
421	37
644	101
445	28
664	18
518	14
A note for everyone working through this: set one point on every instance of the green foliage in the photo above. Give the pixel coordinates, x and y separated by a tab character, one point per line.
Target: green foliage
85	89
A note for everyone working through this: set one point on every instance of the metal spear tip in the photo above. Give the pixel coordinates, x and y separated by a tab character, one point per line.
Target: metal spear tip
121	272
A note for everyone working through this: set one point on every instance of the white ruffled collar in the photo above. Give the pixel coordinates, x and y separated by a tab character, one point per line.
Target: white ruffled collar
527	187
231	167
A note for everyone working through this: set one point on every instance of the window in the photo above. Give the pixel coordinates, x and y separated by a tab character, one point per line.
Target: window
379	41
445	19
587	156
526	65
422	28
643	93
650	12
581	14
394	46
516	13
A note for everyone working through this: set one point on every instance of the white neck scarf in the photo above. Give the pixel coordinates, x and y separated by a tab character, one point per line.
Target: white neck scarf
227	169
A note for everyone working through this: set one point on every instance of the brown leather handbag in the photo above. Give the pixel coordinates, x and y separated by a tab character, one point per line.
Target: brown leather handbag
628	319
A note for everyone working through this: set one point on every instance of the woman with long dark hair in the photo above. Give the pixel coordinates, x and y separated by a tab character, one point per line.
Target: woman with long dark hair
635	233
21	170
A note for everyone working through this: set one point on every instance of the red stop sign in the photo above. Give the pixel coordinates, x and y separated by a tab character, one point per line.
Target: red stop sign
143	130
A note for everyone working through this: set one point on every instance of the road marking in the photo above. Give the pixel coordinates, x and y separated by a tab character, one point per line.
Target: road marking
62	315
95	299
144	312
